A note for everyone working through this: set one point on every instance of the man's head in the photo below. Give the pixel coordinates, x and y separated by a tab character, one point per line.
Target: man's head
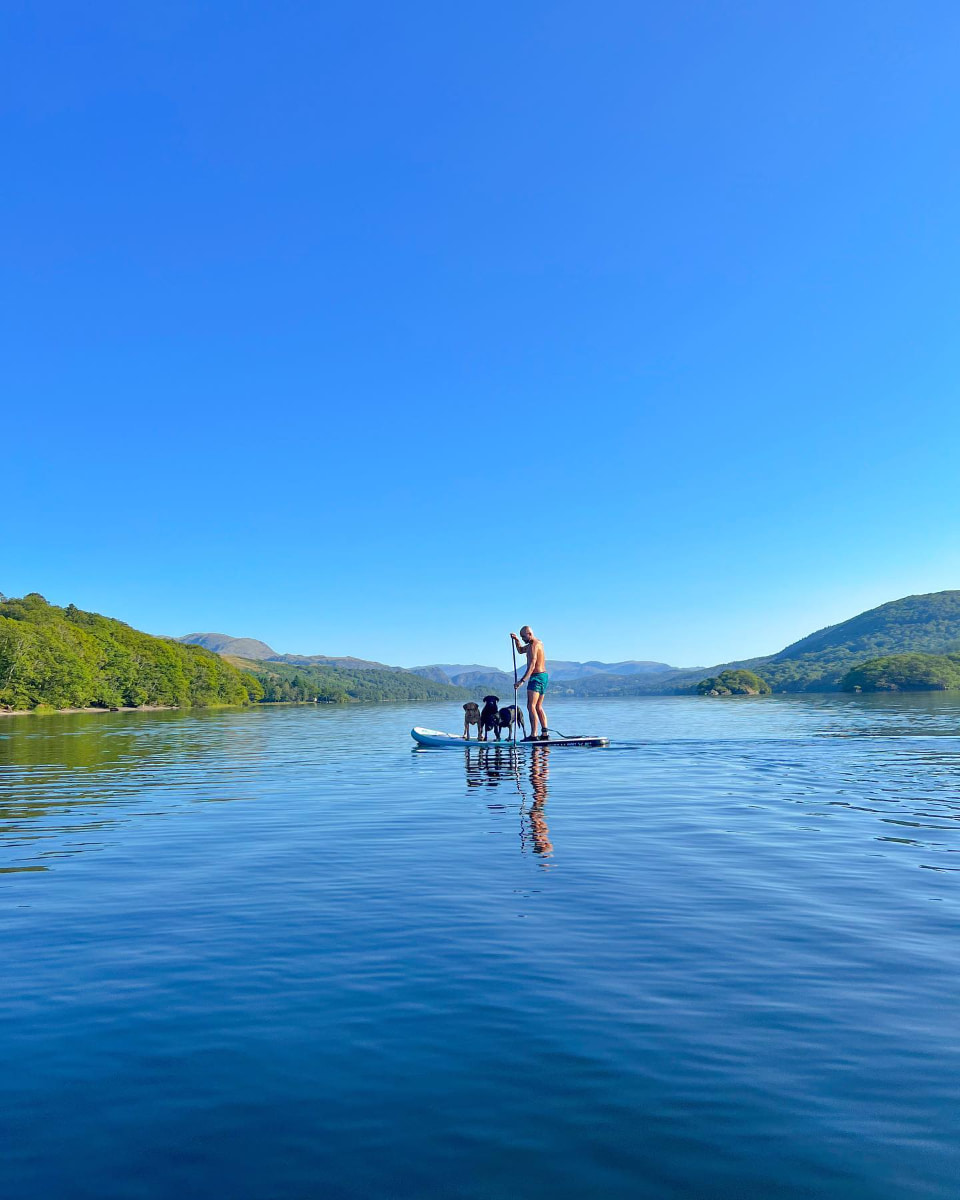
526	632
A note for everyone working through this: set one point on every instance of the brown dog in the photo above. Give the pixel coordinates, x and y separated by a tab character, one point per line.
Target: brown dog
471	716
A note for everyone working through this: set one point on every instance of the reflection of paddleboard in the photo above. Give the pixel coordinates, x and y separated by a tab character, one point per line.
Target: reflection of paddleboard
432	737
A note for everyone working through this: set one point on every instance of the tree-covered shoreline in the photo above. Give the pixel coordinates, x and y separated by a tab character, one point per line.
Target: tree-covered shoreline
905	673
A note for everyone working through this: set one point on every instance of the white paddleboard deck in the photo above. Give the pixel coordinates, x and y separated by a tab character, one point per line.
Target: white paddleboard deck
433	737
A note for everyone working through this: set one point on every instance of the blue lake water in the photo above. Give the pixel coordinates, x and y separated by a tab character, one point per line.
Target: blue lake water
280	952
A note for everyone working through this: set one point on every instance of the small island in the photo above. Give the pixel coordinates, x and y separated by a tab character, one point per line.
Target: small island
733	683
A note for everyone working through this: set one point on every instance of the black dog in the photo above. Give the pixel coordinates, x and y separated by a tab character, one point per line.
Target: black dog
490	717
506	716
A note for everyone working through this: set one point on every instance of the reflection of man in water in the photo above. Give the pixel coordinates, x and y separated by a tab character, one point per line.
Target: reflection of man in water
491	767
539	772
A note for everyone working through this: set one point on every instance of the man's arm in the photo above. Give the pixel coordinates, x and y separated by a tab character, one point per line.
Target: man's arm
526	649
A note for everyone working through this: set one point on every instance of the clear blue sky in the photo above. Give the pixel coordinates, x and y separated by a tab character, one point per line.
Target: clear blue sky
383	328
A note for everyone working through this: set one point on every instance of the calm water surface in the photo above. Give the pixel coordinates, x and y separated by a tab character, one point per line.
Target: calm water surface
281	953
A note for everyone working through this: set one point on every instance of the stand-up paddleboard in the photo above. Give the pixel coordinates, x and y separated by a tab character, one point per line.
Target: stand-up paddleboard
433	737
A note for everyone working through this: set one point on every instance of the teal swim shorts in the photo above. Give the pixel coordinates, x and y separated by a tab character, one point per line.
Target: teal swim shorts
538	682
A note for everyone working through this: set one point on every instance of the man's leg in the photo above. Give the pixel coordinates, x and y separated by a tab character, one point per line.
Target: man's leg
541	714
532	699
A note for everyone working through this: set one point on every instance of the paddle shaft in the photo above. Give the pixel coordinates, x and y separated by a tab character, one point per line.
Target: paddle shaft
513	647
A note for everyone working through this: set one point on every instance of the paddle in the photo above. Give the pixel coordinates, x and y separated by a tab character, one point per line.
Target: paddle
516	685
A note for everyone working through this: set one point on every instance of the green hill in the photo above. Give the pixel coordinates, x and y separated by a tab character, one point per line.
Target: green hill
928	624
67	658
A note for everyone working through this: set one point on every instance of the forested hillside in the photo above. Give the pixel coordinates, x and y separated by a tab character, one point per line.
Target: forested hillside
905	673
67	658
927	624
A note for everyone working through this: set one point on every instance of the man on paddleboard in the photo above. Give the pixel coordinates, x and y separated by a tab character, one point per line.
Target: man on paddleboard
536	679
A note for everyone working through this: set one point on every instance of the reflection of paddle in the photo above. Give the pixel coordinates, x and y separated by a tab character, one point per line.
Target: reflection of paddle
516	760
516	685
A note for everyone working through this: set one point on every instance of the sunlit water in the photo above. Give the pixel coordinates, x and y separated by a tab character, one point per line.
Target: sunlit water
281	953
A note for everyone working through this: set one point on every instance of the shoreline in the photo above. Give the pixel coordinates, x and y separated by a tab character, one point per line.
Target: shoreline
146	708
151	708
58	712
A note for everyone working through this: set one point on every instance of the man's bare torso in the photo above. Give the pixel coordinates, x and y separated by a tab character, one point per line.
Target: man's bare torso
535	655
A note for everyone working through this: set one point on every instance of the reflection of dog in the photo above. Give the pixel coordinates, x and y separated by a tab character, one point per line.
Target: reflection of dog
490	717
471	716
506	716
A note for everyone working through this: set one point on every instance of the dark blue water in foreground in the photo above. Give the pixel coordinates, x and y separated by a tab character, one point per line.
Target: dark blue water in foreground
280	953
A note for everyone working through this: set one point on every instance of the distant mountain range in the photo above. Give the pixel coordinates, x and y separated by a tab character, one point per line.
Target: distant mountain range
222	643
468	675
298	677
476	677
927	624
576	670
250	648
